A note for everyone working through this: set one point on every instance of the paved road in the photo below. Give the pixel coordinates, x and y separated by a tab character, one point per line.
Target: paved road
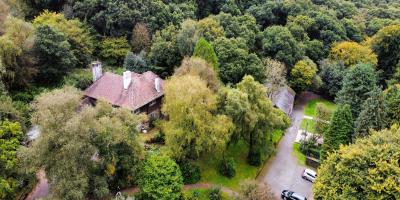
283	171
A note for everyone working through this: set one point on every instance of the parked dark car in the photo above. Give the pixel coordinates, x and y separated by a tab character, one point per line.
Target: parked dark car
289	195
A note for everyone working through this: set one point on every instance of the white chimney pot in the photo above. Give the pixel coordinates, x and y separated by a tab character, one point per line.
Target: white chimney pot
157	84
127	79
96	70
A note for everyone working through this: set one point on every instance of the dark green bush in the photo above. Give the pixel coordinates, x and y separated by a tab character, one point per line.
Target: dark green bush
158	138
215	194
190	172
254	158
227	167
307	145
79	78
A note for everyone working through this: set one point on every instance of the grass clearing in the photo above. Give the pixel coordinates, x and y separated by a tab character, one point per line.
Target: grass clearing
209	167
204	194
310	108
277	136
301	158
308	124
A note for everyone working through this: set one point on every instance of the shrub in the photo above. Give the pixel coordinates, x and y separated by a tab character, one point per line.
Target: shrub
188	195
113	50
190	172
215	194
136	62
158	138
160	178
307	145
254	158
251	189
79	78
227	167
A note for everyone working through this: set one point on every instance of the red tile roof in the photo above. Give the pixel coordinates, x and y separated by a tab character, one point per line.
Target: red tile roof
141	91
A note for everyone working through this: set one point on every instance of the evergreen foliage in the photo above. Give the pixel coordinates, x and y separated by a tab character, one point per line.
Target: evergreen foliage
227	167
205	50
135	62
340	130
357	85
323	117
190	172
54	53
373	114
392	99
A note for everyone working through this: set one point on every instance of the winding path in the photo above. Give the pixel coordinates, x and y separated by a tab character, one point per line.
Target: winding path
41	189
283	171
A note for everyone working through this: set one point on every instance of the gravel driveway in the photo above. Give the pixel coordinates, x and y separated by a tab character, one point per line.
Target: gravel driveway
283	171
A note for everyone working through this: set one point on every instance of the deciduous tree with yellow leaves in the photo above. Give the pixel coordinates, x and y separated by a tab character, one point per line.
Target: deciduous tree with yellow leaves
352	53
192	127
368	169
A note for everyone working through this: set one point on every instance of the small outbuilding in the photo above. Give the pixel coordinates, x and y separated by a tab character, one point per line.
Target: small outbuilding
284	99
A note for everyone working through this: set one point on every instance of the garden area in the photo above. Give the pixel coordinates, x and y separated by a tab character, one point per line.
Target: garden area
209	165
317	114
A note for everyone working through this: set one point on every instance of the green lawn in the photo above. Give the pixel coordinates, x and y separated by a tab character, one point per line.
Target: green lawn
277	135
308	124
300	156
310	108
204	194
209	168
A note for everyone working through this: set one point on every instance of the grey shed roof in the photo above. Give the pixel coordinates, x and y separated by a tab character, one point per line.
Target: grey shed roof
284	99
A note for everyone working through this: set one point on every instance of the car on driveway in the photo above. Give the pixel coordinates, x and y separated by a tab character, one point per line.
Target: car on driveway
289	195
309	175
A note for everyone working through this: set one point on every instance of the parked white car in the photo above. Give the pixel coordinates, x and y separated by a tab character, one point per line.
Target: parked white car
309	175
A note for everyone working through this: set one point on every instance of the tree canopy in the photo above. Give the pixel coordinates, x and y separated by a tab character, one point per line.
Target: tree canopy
193	127
352	53
368	169
90	152
253	115
217	57
160	178
357	85
205	50
340	130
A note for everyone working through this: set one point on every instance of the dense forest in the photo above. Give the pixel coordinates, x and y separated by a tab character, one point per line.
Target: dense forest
222	52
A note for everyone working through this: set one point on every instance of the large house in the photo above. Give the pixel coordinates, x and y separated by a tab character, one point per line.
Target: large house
141	93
